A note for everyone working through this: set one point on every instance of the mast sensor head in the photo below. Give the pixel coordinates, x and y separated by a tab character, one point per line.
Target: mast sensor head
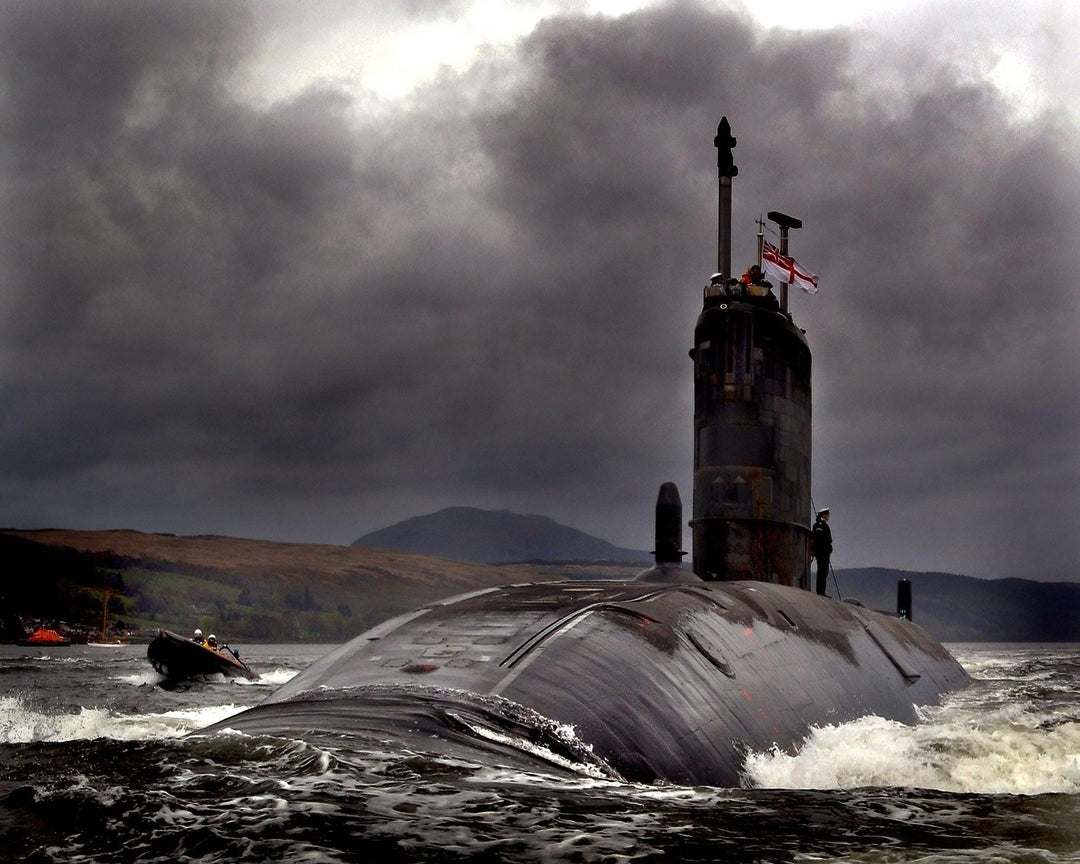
724	142
783	220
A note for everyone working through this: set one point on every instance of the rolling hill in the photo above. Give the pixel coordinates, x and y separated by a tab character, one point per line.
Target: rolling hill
268	591
964	609
250	589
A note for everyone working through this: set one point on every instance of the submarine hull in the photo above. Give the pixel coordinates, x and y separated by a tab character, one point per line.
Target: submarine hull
661	682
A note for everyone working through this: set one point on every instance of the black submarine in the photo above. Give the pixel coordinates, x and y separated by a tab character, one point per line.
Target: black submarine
677	675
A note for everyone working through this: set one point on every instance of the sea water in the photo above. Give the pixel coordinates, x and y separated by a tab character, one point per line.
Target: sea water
98	765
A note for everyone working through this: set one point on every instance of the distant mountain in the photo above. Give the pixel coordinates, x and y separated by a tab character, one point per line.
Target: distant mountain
496	537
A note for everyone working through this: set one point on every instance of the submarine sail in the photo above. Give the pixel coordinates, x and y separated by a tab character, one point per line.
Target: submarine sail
751	423
751	443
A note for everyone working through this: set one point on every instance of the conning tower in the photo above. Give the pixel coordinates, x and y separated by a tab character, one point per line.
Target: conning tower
751	503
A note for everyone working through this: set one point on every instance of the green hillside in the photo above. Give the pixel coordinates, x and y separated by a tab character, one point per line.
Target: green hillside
238	589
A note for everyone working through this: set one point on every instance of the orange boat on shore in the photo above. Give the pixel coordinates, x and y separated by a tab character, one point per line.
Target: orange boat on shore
44	637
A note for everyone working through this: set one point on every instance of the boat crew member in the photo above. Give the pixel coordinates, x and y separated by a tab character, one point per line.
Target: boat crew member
211	642
821	538
197	636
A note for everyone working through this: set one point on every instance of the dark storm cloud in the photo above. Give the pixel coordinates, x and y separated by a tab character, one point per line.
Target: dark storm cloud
308	318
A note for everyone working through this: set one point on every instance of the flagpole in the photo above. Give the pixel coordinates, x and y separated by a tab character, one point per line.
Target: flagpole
785	222
723	258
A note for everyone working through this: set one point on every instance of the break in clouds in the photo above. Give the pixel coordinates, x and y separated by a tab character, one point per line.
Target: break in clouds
310	316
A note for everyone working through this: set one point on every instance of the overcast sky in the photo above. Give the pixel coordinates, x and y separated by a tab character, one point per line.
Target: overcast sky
297	271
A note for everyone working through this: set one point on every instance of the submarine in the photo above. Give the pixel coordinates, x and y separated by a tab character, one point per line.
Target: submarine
677	675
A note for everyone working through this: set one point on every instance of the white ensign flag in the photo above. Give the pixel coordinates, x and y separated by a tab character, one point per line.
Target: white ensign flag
784	268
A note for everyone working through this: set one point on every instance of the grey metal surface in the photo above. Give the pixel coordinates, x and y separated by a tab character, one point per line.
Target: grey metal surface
672	682
751	443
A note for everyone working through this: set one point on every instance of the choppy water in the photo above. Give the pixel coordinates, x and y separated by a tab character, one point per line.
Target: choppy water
96	767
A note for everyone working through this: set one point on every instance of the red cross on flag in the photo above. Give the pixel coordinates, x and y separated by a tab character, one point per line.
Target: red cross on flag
784	268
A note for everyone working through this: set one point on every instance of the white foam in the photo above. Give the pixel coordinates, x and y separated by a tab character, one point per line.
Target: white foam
278	676
268	679
20	724
150	677
563	731
954	753
139	679
45	657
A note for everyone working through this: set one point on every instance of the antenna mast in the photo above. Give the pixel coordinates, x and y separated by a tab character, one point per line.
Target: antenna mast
724	142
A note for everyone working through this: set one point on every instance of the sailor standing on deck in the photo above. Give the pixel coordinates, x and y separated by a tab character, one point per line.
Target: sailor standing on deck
822	545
